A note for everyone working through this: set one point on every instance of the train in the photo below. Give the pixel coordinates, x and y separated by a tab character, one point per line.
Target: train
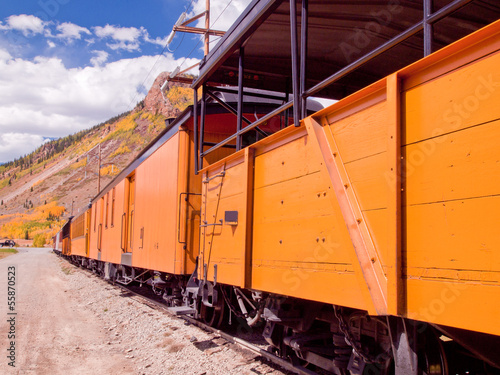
359	238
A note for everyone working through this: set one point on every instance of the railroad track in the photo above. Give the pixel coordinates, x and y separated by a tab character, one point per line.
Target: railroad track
233	339
157	305
226	336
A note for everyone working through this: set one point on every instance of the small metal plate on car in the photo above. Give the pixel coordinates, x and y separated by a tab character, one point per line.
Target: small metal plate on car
231	217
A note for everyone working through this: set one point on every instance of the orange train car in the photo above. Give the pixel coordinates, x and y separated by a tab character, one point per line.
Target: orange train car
79	235
136	219
362	239
144	226
318	208
57	244
63	239
365	234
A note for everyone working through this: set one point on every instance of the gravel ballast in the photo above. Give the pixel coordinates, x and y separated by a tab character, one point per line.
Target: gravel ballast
72	322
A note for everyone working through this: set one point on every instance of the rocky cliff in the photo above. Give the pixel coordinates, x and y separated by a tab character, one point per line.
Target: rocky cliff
165	103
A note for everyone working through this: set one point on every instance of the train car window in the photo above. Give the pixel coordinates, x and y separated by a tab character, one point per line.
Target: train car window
113	208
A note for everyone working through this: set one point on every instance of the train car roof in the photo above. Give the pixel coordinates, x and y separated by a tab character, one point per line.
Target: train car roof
160	139
340	33
173	127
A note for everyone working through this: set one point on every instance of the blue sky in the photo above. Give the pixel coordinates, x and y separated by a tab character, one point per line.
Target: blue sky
66	65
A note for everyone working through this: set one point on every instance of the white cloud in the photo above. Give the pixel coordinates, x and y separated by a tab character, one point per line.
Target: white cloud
128	46
4	55
70	31
219	20
124	37
100	58
27	24
159	41
127	34
51	44
45	98
13	145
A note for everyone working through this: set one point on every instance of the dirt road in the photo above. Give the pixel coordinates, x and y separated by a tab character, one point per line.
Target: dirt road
70	322
53	334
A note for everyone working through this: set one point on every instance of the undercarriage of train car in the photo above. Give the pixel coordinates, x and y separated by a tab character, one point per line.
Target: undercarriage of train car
314	336
341	340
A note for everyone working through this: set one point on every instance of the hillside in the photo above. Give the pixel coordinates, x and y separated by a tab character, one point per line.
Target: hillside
39	191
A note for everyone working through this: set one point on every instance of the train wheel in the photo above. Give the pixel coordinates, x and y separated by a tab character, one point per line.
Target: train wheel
213	316
433	359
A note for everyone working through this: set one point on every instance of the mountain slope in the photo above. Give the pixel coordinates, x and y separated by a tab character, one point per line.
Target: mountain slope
61	176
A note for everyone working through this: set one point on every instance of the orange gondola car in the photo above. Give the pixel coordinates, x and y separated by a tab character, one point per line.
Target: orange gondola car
358	239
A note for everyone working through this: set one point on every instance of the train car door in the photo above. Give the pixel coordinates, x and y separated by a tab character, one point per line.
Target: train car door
88	216
99	229
131	214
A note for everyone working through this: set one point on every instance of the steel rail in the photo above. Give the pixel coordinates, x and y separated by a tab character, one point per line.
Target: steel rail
226	336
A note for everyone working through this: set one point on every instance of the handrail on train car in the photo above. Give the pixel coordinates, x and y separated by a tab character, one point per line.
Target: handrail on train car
429	18
122	246
248	128
187	194
99	237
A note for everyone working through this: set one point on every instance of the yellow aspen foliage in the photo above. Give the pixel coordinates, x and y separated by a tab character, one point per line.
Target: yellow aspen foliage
79	164
180	97
123	149
110	170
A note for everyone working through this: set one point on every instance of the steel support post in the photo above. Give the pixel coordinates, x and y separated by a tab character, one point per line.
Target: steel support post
404	346
202	125
287	99
303	55
295	62
195	129
240	97
428	28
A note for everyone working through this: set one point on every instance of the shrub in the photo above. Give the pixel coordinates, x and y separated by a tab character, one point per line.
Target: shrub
39	240
120	150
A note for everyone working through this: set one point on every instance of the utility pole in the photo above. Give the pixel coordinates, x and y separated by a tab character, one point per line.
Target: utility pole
98	166
99	171
207	26
182	26
72	202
